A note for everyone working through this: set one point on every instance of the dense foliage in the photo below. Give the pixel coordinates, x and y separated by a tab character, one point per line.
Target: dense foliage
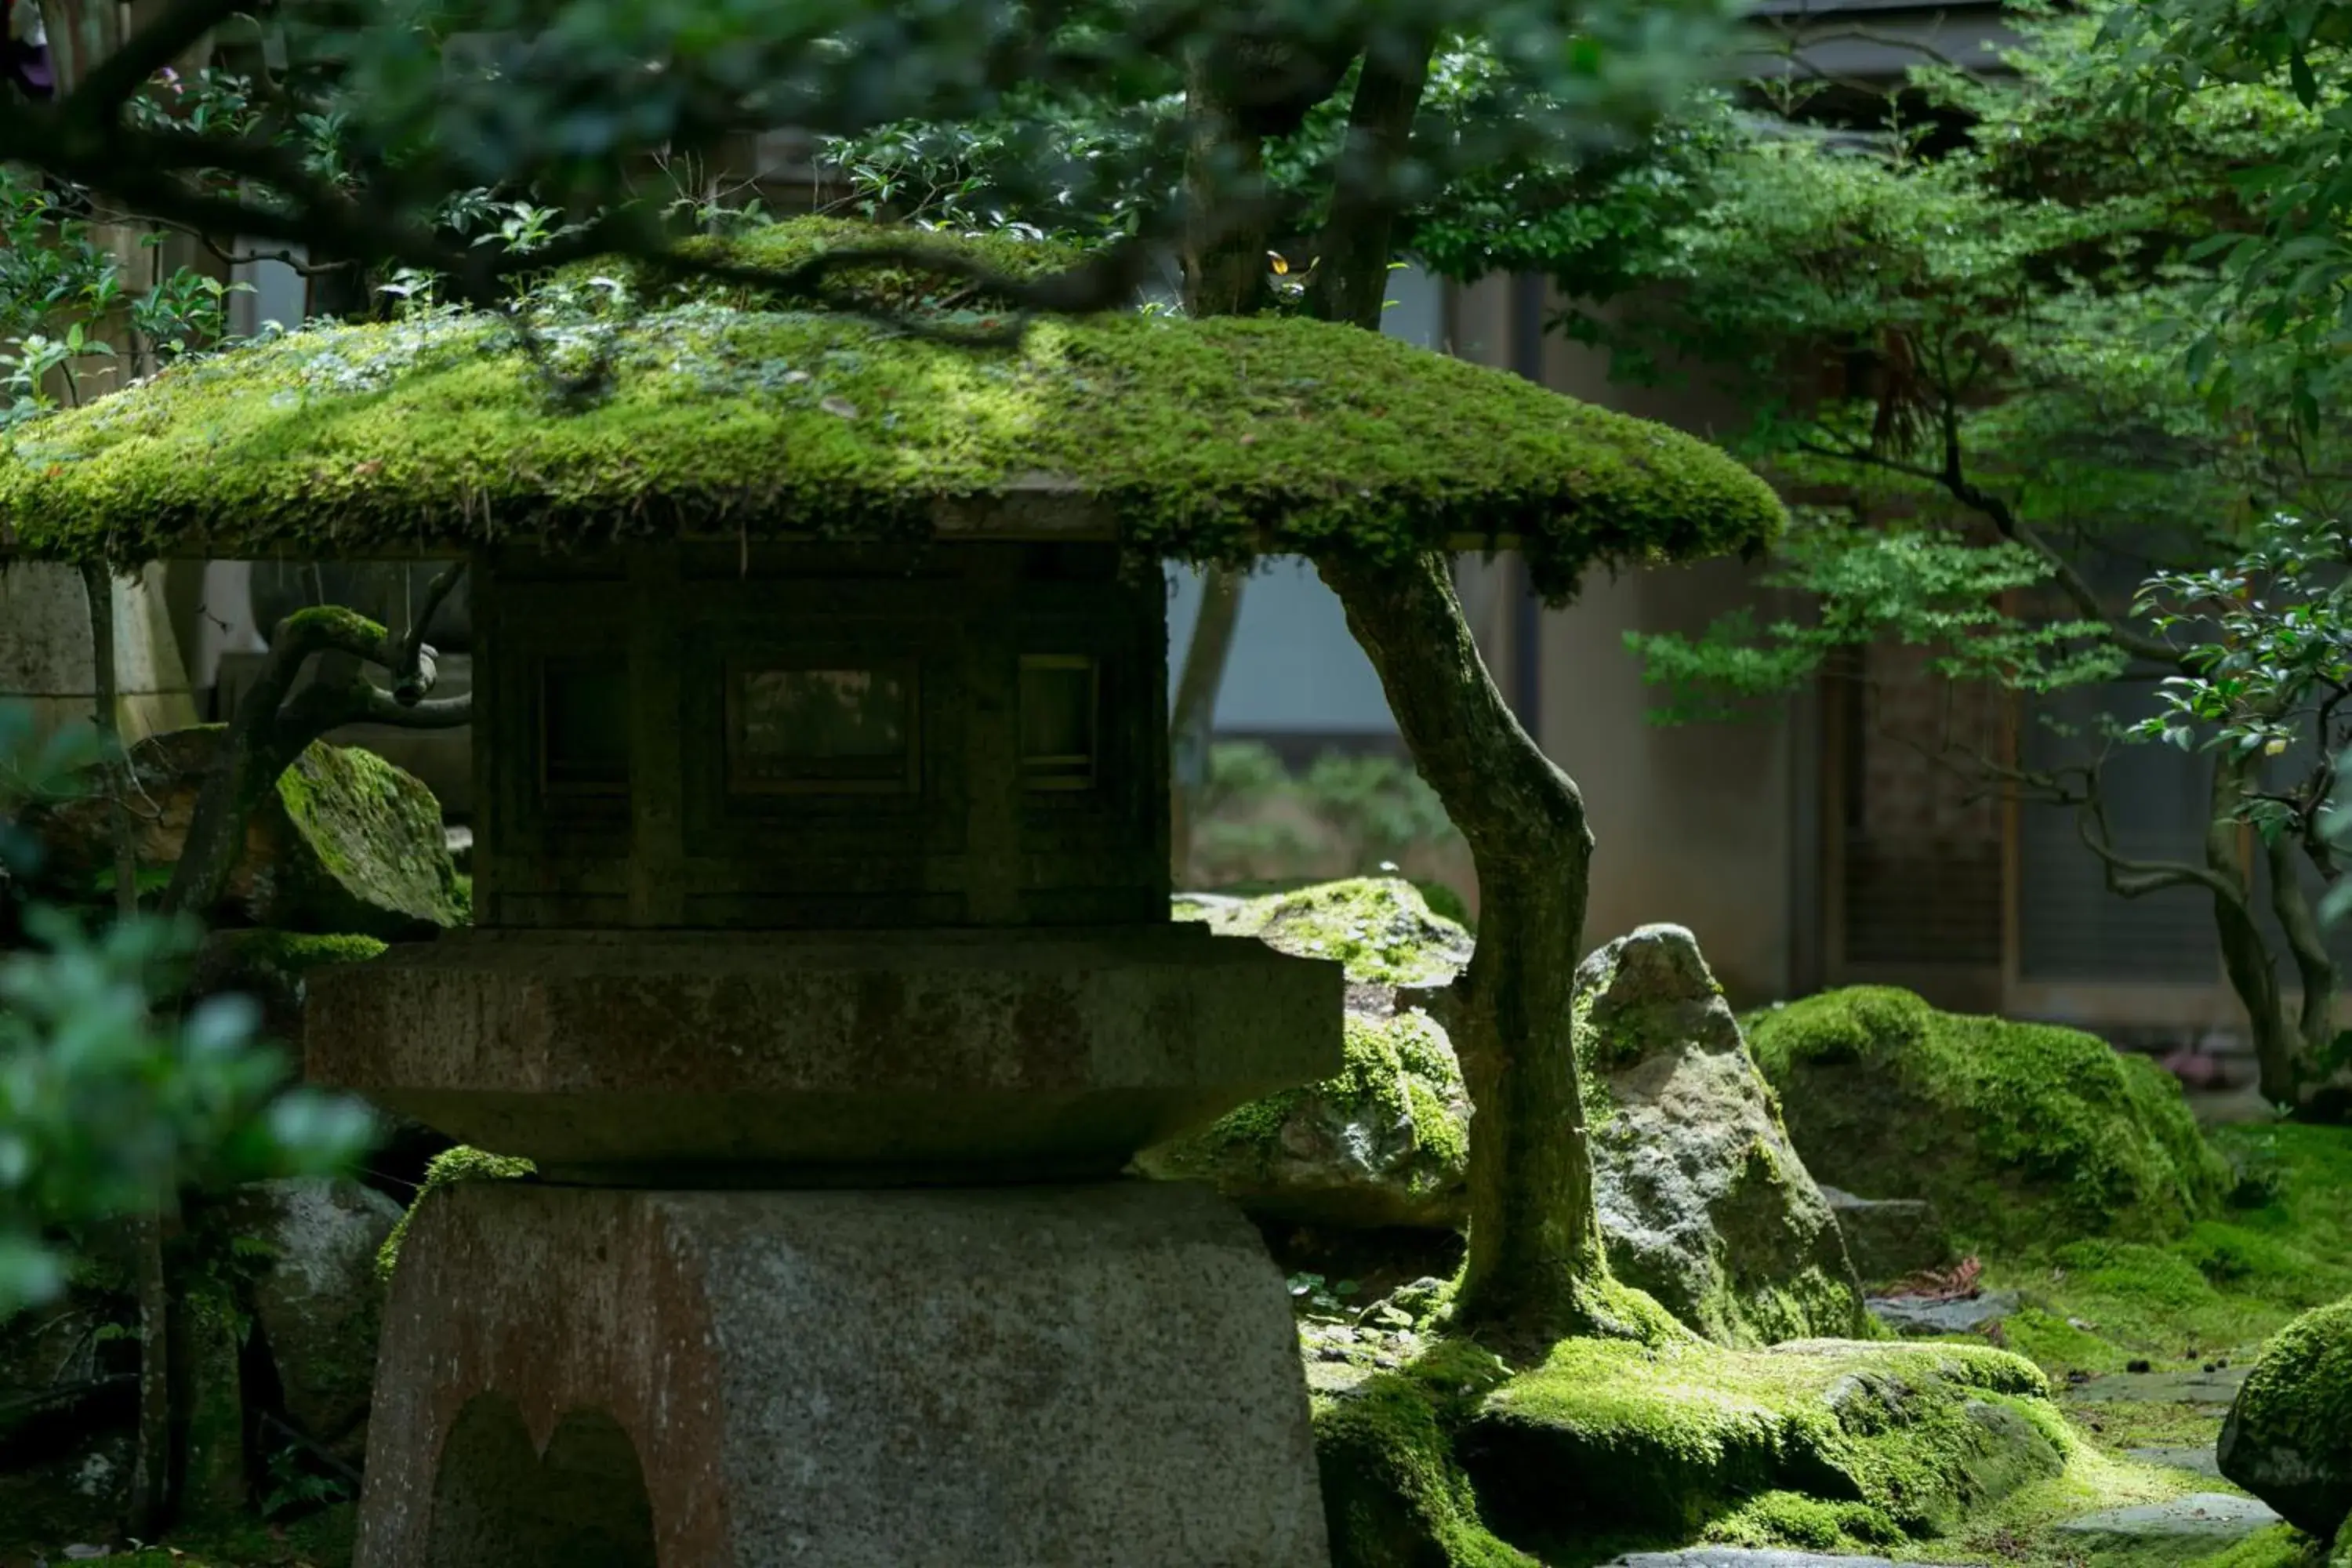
1976	362
110	1096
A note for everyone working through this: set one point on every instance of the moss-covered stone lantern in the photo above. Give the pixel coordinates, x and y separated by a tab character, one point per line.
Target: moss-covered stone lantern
824	962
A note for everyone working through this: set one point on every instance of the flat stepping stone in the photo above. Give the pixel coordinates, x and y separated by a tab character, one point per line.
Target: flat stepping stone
2204	1461
2207	1516
2216	1388
1921	1316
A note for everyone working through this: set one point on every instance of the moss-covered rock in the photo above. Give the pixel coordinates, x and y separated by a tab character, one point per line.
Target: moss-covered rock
1703	1202
1203	440
2288	1438
316	1296
271	966
1384	1144
1381	930
1393	1495
451	1165
1887	1441
2022	1135
374	856
346	843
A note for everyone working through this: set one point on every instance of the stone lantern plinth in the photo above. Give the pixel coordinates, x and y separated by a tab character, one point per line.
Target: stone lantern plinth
826	975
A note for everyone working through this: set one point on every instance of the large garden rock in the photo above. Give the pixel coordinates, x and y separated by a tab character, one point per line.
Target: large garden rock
2022	1135
1386	1142
317	1302
1705	1204
1703	1201
345	843
2288	1438
1874	1443
1890	1238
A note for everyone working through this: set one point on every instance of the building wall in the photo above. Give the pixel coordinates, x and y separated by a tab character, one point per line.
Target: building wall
1698	825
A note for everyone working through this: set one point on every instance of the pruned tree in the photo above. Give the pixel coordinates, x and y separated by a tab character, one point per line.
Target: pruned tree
2009	442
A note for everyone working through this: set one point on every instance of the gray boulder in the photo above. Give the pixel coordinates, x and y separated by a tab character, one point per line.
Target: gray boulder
345	843
1927	1317
1705	1203
1890	1238
2288	1437
317	1304
1386	1142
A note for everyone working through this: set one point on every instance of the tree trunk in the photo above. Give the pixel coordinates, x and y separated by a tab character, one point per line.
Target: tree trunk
2316	971
2245	951
1536	1269
1351	266
151	1452
1192	721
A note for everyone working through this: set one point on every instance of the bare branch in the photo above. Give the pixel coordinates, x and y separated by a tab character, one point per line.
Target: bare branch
411	672
286	258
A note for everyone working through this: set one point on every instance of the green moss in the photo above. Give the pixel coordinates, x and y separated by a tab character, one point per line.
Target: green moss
459	1164
2022	1530
381	856
288	954
1442	1131
2120	1425
322	1539
1393	1496
1611	1435
892	287
2298	1400
1381	929
1392	1119
1212	439
2221	1289
2022	1135
1792	1518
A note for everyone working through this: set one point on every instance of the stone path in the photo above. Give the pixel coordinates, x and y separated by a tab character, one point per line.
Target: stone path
2216	1388
1746	1557
2201	1460
1923	1315
2203	1517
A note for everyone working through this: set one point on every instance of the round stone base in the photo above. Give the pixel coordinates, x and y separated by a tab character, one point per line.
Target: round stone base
1023	1377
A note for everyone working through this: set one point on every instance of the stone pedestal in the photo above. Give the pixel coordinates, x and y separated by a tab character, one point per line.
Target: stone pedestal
1076	1376
786	1060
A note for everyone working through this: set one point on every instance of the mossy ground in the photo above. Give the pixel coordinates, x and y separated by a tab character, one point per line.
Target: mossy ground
2283	1247
2213	1293
1931	1453
319	1540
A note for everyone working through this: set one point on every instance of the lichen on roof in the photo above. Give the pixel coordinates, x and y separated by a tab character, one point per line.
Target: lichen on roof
1199	441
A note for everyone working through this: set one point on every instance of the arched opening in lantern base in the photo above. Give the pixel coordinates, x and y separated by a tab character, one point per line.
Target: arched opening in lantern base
500	1503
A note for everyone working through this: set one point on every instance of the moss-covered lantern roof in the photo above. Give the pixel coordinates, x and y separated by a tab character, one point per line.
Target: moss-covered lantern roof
738	417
